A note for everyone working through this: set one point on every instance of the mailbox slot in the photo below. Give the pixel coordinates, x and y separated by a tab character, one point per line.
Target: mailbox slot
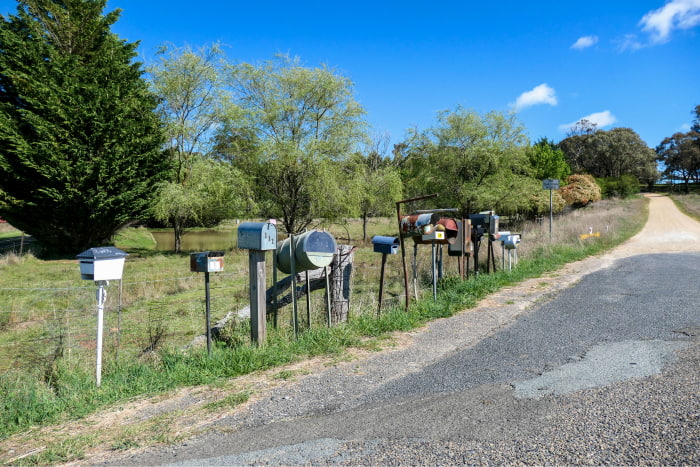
386	245
257	236
102	263
207	261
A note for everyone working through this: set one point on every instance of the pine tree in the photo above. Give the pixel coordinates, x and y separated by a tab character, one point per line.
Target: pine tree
79	137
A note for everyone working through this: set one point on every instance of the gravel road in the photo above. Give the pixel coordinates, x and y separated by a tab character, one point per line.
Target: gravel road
597	364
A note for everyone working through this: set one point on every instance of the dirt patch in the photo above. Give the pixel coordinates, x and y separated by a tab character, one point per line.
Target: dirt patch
183	413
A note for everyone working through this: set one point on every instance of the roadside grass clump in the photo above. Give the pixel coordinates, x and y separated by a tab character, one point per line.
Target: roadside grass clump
67	391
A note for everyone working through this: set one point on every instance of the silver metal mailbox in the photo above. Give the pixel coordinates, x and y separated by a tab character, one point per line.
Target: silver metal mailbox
257	236
207	261
102	263
511	241
386	245
313	249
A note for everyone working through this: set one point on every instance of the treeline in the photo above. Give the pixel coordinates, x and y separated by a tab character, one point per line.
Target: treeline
91	140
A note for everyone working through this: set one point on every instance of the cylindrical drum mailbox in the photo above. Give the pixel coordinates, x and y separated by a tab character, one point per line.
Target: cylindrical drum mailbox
416	224
314	249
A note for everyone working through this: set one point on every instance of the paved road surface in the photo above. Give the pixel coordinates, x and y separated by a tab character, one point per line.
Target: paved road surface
604	369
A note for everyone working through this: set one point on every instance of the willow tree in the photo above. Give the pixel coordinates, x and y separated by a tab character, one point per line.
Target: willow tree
193	103
305	121
80	143
473	161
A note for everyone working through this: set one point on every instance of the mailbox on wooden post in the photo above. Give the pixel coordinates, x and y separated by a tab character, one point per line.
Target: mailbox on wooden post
257	238
101	264
385	246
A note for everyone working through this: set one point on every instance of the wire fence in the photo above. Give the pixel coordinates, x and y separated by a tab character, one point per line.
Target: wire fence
58	319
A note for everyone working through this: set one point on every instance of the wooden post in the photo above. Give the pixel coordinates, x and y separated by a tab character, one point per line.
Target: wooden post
258	306
381	284
207	298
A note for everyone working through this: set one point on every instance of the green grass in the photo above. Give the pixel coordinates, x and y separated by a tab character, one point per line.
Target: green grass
62	387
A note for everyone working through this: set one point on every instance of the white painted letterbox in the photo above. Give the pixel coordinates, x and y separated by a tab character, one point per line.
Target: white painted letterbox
102	263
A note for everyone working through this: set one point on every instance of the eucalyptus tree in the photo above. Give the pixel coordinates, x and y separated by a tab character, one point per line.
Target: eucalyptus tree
612	153
194	103
305	122
680	156
80	143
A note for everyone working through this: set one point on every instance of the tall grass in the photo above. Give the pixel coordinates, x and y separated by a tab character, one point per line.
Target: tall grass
60	386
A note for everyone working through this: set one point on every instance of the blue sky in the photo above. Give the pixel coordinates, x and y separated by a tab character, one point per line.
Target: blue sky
629	64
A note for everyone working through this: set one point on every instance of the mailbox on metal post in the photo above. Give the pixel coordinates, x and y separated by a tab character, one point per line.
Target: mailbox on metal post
257	238
386	245
101	264
206	262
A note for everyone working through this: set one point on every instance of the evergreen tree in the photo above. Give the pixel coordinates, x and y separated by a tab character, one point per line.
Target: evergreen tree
79	139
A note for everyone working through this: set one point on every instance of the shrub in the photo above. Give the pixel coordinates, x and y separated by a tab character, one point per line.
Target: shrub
580	190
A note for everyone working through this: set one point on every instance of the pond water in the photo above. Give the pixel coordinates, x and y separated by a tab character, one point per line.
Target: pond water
199	240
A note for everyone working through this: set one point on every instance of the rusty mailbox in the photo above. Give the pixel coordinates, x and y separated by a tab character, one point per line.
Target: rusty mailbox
207	261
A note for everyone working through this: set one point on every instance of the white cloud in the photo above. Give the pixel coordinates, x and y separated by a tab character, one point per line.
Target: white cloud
676	14
585	42
542	94
600	119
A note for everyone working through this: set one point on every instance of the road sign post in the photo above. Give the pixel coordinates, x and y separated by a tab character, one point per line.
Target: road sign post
550	184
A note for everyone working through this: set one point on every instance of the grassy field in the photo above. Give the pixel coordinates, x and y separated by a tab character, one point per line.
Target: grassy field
47	321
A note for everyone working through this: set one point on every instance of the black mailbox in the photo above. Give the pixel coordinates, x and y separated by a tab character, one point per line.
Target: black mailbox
386	245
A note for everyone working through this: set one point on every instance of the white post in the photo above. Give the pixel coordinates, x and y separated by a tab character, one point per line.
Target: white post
101	298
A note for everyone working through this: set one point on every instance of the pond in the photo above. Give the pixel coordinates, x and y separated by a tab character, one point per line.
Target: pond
197	240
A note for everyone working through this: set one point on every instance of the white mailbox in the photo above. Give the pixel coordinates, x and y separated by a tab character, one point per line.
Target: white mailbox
102	263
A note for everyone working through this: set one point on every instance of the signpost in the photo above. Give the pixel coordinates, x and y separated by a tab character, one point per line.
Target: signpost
550	184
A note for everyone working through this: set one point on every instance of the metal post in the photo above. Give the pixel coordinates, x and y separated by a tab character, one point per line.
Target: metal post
308	300
328	296
415	269
433	267
550	214
295	315
101	298
208	311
